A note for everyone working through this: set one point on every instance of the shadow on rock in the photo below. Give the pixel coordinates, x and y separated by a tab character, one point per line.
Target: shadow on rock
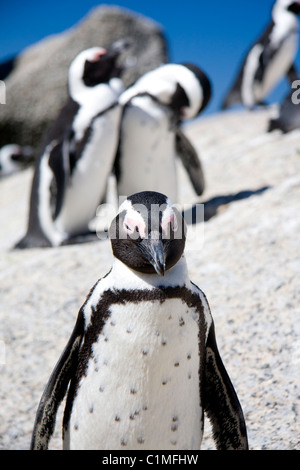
208	209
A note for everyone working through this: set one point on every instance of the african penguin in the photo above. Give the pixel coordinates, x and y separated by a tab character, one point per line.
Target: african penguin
269	59
150	133
14	158
142	365
79	150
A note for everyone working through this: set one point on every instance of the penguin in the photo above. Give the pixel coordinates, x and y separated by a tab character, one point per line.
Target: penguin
14	157
287	116
269	59
150	134
142	364
78	152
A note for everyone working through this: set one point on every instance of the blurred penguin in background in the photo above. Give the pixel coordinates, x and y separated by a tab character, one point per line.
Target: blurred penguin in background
270	59
77	155
151	137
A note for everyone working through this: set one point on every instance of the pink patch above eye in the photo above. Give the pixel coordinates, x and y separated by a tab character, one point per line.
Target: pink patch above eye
132	224
169	220
98	55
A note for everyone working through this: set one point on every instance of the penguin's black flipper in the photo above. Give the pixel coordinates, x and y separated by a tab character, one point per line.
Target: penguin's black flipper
221	403
189	157
56	389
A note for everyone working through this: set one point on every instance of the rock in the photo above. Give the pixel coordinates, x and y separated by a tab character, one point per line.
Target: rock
245	257
37	87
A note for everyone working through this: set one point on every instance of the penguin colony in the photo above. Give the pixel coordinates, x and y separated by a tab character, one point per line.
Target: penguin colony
104	129
145	316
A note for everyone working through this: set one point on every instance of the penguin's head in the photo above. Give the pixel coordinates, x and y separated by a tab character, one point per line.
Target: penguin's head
290	6
96	65
13	158
148	234
184	88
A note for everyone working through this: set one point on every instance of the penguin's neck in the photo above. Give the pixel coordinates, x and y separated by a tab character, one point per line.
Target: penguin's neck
126	278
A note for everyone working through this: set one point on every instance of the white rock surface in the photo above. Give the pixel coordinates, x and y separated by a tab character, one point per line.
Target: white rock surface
246	259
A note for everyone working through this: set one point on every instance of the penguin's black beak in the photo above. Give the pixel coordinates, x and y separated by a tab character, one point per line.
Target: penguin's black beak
153	251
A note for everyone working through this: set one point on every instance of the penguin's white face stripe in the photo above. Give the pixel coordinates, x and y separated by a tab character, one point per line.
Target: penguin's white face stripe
169	219
132	221
78	91
190	84
76	67
281	14
286	23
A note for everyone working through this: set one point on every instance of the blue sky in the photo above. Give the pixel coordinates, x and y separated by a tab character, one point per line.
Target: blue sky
213	34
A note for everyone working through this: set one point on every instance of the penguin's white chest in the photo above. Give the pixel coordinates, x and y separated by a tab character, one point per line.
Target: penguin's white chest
87	184
147	159
141	388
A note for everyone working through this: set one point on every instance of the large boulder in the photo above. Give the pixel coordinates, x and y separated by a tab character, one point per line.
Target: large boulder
37	86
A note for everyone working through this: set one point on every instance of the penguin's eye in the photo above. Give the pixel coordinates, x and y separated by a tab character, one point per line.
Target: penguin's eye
134	227
132	231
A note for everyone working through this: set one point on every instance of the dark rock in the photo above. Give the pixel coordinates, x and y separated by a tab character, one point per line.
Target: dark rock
37	86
